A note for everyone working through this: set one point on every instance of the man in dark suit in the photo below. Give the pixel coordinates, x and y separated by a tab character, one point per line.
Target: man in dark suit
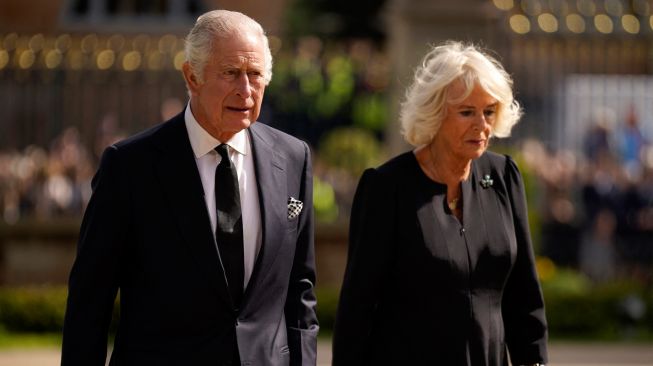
205	225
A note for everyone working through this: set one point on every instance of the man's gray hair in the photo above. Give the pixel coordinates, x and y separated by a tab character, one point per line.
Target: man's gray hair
221	24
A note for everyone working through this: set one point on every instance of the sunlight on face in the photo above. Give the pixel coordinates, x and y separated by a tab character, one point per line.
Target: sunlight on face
229	97
467	127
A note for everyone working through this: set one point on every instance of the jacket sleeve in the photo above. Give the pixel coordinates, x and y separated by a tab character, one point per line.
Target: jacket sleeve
301	318
523	303
94	278
369	255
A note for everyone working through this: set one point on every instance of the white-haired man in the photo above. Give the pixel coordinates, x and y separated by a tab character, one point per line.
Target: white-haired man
204	223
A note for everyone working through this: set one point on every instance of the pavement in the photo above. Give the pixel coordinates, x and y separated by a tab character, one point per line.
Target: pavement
560	354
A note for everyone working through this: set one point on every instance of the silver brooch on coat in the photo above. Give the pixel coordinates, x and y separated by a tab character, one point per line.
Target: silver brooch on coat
487	182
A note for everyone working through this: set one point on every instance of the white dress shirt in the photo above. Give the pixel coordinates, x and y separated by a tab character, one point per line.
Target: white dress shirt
240	153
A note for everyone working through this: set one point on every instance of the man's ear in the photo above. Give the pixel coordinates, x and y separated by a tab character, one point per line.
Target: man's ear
192	81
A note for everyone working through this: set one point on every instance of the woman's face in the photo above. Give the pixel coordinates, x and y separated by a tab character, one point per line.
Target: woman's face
465	130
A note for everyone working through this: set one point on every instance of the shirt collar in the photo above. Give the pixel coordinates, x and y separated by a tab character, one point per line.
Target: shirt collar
202	142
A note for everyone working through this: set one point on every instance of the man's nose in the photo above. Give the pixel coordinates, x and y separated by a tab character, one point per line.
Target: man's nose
243	88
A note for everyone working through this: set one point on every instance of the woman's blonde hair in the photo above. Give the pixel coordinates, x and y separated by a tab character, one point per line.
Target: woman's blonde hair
426	100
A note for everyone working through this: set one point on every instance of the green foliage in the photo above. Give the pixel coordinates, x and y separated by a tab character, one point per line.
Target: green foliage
26	311
37	309
566	282
611	312
327	303
29	340
370	112
318	85
576	308
298	19
615	311
326	85
324	201
350	149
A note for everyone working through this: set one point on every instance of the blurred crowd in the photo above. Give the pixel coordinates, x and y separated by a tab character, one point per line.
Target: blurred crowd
39	182
55	181
594	207
597	207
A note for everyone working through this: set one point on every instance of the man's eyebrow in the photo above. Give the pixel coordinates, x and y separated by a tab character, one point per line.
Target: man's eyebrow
238	65
229	65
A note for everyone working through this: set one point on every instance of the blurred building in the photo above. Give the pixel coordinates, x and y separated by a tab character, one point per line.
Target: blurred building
87	72
93	63
568	58
75	75
80	62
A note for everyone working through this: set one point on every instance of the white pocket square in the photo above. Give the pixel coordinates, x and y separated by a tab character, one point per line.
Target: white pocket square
294	207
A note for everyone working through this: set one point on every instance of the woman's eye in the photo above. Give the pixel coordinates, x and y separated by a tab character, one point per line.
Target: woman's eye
466	113
490	113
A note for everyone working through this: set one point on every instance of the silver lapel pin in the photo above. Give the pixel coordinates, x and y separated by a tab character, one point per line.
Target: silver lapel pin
487	182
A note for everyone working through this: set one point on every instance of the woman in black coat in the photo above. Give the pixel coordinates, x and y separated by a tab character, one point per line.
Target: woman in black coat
440	268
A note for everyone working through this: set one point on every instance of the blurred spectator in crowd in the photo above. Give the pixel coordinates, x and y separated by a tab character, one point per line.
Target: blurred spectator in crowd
107	133
572	194
631	144
597	252
39	183
635	223
560	232
597	215
70	168
602	182
599	140
170	108
557	173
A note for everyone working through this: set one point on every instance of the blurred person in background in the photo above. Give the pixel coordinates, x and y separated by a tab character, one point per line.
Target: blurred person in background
632	144
599	139
40	184
597	256
204	223
440	268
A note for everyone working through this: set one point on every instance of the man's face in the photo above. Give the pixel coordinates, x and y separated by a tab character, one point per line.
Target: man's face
228	98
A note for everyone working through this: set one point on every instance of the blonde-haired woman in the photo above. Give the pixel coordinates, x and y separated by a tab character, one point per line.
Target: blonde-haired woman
440	268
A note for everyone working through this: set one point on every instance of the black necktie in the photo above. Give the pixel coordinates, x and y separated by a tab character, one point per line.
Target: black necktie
229	231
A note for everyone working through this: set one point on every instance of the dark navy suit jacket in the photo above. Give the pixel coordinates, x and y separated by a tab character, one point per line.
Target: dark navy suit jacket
146	232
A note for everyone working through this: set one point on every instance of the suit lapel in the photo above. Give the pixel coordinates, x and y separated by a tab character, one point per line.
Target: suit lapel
182	186
270	167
